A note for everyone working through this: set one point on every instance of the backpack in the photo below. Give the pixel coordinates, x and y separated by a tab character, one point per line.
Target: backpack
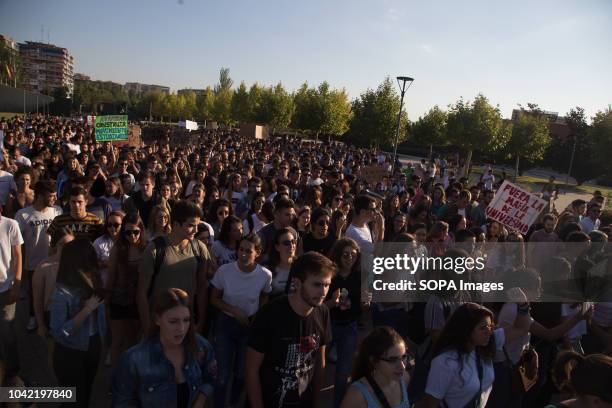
160	254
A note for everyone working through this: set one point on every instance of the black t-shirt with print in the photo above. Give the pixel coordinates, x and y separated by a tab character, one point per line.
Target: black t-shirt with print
290	343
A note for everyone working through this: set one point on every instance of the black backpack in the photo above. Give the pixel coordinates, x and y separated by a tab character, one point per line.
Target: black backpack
160	254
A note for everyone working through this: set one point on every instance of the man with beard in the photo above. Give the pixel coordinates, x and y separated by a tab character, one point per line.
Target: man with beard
543	243
285	359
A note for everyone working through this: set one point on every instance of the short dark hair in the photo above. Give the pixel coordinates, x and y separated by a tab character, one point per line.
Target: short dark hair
577	203
253	239
77	190
312	263
549	217
362	202
185	209
43	187
463	235
283	203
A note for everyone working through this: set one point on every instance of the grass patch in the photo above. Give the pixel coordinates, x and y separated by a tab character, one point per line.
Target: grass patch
9	115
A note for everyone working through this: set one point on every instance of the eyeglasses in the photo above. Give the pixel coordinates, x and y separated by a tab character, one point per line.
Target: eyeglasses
132	232
289	242
395	360
114	224
322	223
350	254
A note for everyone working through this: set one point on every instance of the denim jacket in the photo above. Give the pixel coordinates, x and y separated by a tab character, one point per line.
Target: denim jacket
145	377
65	304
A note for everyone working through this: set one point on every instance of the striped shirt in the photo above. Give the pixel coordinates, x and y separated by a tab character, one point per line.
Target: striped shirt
90	227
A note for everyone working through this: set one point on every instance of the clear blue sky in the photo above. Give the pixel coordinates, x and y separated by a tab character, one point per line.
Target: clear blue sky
554	53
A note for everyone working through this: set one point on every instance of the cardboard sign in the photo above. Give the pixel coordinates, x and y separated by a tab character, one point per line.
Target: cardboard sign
91	120
111	128
515	207
188	124
374	174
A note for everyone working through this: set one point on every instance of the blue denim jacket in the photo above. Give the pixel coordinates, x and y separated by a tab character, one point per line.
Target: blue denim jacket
145	377
65	304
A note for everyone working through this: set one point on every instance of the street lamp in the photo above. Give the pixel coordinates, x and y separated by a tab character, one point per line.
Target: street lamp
401	81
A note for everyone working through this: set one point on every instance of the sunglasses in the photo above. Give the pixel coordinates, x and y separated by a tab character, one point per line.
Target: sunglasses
289	242
322	223
132	232
114	224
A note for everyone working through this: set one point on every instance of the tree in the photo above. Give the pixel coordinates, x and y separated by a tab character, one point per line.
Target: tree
241	110
601	133
430	129
530	137
255	100
582	167
205	104
276	107
375	116
225	81
322	110
222	107
476	125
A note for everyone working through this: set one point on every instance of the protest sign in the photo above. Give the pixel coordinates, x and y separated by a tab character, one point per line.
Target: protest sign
91	120
374	174
515	207
188	124
111	128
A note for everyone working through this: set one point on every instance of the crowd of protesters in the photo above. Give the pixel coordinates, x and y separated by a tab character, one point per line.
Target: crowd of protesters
230	266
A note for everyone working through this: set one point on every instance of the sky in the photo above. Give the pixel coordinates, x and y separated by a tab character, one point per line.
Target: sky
557	54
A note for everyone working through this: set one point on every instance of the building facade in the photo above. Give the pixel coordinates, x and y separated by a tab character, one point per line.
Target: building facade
141	89
198	92
46	67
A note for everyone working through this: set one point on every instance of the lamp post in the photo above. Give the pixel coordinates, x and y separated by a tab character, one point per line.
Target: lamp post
401	81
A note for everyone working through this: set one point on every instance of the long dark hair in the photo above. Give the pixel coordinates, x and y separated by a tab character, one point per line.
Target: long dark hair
457	332
226	228
336	251
122	243
372	349
273	254
583	375
166	300
78	268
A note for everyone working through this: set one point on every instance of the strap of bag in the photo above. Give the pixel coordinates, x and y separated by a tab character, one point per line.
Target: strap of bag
160	255
475	401
380	395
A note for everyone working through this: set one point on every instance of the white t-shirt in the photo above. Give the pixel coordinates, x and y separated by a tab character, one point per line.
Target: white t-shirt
257	225
6	184
33	225
362	236
507	315
456	385
103	246
242	289
223	254
488	180
580	329
9	237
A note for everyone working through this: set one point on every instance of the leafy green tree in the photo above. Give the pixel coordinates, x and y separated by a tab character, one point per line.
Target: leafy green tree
241	110
601	133
222	107
477	125
375	116
276	107
430	129
529	138
205	104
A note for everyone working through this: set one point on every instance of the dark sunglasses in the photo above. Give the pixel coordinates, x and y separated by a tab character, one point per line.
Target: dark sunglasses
322	223
132	232
114	224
